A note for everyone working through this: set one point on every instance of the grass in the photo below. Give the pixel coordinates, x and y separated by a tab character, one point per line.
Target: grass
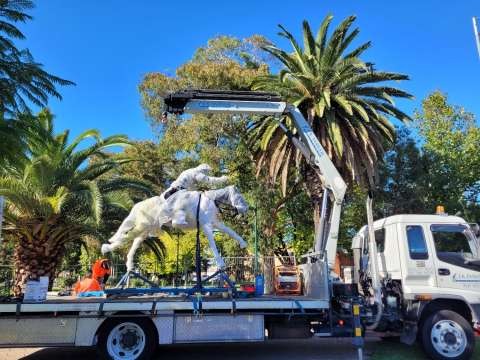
392	350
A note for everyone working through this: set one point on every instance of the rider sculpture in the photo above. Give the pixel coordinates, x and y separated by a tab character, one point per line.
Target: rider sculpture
177	208
194	179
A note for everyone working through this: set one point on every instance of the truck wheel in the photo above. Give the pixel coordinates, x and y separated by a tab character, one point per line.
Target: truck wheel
127	338
447	335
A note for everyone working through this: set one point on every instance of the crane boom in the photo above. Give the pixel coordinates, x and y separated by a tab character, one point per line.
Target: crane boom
263	103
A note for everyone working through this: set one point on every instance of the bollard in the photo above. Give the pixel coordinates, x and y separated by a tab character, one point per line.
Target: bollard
358	341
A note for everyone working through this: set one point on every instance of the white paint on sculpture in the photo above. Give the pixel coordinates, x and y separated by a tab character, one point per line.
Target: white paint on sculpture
195	178
179	211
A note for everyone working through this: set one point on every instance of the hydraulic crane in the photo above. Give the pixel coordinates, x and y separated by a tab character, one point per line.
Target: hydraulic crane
264	103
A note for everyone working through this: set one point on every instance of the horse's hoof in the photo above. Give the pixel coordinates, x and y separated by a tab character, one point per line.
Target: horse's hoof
106	248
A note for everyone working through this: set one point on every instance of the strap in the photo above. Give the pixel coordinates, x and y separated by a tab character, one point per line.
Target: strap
299	305
100	309
234	305
197	304
153	311
18	309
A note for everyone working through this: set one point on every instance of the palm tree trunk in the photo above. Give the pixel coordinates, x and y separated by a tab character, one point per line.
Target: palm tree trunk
33	260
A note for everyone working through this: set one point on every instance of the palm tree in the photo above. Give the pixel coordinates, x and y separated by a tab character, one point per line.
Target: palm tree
22	79
337	93
12	144
56	194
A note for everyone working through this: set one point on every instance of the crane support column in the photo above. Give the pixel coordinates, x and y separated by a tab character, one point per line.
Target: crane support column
329	176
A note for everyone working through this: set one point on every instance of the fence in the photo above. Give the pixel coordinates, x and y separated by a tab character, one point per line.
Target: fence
6	279
240	269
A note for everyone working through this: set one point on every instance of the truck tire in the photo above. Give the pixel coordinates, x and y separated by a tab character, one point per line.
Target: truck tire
127	338
446	335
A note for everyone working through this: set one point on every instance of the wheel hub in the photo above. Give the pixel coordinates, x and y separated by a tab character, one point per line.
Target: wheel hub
448	338
126	341
129	339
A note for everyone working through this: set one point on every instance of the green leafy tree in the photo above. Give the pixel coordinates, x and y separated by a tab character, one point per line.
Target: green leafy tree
224	63
149	164
55	195
451	139
337	92
22	80
182	246
403	180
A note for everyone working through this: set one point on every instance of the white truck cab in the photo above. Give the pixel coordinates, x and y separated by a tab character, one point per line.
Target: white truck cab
429	269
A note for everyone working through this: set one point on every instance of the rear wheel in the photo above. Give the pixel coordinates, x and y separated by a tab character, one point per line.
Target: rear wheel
127	339
446	335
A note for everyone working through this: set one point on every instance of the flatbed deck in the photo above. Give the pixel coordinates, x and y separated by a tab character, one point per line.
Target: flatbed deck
163	303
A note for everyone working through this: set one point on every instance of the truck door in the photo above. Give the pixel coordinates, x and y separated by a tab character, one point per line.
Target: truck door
455	252
418	259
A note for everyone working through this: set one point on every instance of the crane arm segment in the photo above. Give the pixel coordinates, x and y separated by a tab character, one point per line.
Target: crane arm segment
263	103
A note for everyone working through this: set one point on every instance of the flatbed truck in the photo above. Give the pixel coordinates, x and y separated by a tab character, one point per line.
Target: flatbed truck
416	275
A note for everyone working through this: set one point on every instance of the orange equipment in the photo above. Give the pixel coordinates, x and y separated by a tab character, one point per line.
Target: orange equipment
101	270
87	284
287	280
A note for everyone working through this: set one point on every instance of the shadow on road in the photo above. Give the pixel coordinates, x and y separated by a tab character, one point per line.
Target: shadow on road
309	349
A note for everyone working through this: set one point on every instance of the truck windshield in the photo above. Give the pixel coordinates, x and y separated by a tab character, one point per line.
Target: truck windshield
455	244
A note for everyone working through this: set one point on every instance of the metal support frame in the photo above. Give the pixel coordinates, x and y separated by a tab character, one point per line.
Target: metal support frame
255	230
2	203
198	255
121	288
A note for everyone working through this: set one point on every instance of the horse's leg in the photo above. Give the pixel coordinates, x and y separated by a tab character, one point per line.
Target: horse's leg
224	228
207	229
124	227
114	244
120	236
134	232
133	249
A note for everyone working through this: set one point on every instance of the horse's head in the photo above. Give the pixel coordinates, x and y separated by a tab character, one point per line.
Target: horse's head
204	168
236	200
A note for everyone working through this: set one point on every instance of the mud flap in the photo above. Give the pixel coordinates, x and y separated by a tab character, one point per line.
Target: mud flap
409	334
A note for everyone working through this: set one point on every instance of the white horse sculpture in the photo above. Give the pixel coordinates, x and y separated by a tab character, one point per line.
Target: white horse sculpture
179	211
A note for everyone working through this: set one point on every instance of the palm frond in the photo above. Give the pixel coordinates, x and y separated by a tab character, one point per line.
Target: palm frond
337	93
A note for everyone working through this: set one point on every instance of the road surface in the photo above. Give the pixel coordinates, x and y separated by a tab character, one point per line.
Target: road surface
302	349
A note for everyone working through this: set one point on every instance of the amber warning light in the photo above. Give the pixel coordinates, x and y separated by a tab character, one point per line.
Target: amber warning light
440	210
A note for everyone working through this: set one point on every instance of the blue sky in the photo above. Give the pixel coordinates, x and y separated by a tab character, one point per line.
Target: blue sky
107	46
